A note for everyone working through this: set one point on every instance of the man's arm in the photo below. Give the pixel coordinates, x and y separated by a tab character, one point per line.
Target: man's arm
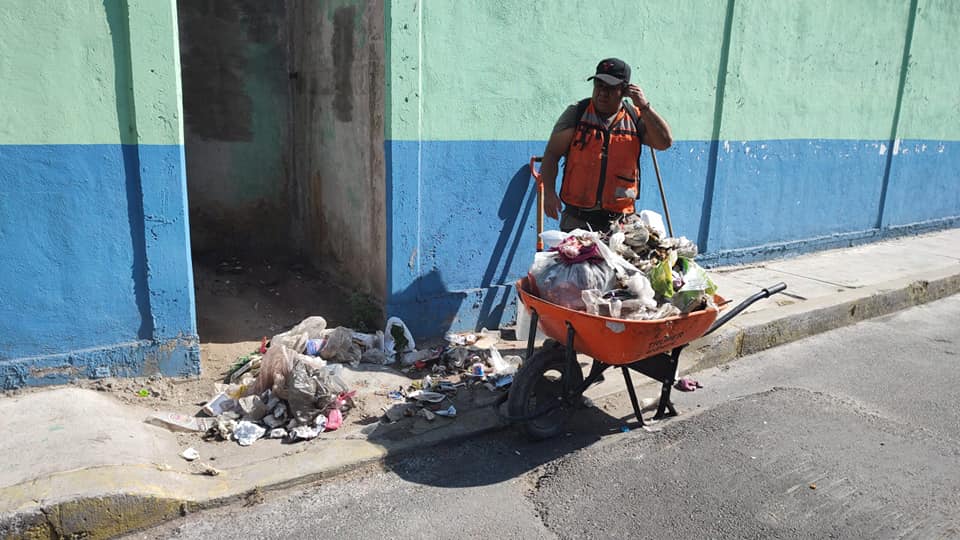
658	134
557	146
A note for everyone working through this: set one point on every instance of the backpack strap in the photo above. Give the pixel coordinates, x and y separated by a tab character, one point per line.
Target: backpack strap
637	123
582	108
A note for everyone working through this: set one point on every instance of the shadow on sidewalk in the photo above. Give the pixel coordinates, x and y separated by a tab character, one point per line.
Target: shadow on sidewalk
504	455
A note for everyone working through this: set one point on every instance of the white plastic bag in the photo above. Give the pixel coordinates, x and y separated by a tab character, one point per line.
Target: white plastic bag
390	346
340	347
552	239
654	221
296	338
499	365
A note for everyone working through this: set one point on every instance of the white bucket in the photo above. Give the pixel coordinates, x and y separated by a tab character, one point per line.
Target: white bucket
523	324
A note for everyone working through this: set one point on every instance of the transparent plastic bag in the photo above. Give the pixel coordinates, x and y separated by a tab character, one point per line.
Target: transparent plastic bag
309	391
552	238
697	290
296	338
563	284
340	347
274	370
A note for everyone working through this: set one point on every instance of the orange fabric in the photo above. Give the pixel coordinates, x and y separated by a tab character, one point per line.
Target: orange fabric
587	180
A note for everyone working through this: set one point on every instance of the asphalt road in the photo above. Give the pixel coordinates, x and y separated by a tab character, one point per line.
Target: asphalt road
850	434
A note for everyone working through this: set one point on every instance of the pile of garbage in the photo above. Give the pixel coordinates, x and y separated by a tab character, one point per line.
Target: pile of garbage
634	271
291	387
471	356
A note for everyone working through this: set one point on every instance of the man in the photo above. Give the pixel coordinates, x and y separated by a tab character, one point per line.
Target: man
601	139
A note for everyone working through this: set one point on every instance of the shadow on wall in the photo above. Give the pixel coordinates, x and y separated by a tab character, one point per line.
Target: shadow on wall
428	316
514	212
430	308
117	19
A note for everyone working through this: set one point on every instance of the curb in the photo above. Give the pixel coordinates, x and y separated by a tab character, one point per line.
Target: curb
128	498
113	500
753	332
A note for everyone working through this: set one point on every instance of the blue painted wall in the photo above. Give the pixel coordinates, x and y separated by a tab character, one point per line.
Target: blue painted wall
95	274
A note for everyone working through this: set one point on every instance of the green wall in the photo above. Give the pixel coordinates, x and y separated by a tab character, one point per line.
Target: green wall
931	95
505	70
66	91
795	68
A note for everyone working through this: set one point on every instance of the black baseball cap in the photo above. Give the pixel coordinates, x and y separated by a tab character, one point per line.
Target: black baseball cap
612	71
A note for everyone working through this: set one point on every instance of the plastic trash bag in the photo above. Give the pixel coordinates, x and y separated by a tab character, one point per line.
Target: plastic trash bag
274	370
661	279
686	248
640	287
340	347
397	339
247	433
308	392
500	365
296	338
697	288
552	239
374	356
654	221
562	284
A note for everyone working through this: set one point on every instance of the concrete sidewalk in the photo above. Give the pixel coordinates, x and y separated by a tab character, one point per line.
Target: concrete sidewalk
76	462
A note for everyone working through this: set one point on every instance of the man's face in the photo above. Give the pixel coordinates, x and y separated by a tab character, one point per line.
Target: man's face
606	98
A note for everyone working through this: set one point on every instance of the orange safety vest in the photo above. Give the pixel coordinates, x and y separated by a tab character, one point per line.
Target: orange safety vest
601	163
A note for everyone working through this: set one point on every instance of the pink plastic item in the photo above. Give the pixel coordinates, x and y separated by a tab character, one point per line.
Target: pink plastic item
334	420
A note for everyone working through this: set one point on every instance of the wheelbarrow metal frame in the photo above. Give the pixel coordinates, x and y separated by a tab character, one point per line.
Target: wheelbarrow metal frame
661	367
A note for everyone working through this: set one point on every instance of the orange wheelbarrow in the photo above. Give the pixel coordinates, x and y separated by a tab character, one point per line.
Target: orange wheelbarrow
550	385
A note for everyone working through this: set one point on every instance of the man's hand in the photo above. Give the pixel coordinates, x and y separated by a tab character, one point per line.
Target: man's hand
551	203
658	134
636	94
556	147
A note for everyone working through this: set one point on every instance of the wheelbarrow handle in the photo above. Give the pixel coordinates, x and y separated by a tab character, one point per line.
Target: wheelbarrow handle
778	288
536	176
764	293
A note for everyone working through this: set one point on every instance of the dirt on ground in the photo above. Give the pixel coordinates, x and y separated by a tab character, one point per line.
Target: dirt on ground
242	301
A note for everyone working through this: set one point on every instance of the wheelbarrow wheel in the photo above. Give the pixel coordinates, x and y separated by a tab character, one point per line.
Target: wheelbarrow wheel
538	386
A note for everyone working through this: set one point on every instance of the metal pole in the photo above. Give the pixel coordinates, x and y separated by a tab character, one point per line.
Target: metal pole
663	196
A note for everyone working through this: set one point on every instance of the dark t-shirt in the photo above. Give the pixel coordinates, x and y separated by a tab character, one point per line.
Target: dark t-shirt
569	120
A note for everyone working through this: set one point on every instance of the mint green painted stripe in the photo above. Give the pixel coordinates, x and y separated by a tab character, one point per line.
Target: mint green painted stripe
814	69
507	69
67	69
797	69
931	101
155	61
403	70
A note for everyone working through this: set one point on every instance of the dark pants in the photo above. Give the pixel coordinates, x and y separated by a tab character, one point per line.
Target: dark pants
592	220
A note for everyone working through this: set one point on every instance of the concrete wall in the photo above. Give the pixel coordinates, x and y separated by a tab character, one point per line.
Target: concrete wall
799	125
95	271
337	65
236	101
284	109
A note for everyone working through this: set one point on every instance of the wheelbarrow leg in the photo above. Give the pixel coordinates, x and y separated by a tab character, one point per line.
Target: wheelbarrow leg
633	395
665	404
532	335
